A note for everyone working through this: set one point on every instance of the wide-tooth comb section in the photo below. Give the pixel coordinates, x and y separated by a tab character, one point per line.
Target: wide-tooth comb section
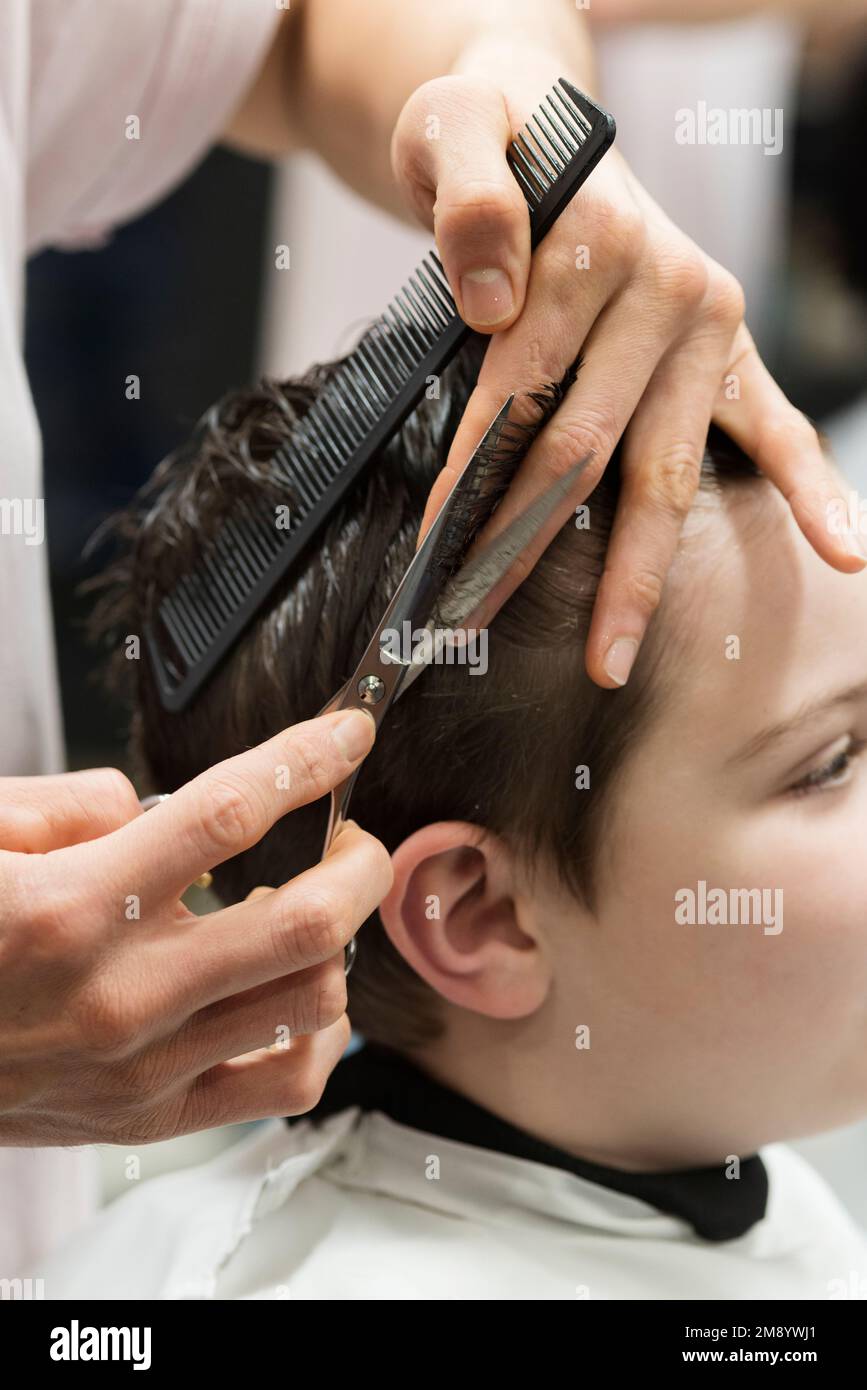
364	403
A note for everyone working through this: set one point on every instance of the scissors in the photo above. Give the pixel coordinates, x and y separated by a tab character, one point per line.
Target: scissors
440	590
434	598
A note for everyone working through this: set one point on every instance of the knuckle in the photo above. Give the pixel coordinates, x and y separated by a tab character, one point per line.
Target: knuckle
330	999
204	1107
469	202
539	362
53	925
315	771
379	868
21	824
308	929
410	149
304	1084
141	1079
725	301
567	441
136	1123
104	1024
644	590
226	815
672	485
449	100
680	279
112	788
427	99
305	1090
451	96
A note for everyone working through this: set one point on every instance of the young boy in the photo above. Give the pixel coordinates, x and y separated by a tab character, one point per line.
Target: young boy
623	954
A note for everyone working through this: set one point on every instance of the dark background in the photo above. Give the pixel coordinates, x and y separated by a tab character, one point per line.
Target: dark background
174	298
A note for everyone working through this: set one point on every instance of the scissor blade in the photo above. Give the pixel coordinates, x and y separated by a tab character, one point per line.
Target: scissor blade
477	578
418	592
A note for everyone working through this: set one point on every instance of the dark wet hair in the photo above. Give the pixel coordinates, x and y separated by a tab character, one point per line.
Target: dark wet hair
498	750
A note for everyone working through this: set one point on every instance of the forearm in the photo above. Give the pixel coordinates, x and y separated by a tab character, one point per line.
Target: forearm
349	67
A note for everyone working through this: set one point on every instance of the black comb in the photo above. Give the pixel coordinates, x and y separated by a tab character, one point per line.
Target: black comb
362	405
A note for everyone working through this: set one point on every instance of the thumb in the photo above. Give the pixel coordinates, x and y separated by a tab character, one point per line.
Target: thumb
39	814
450	146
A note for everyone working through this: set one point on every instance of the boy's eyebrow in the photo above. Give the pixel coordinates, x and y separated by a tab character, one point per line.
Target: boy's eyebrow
774	733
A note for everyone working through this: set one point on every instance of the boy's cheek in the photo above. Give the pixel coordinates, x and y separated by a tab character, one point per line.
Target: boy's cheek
816	861
775	900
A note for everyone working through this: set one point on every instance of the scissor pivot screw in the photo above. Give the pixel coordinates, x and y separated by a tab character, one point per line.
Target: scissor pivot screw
371	689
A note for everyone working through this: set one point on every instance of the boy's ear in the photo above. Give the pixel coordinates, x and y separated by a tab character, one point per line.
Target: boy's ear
454	914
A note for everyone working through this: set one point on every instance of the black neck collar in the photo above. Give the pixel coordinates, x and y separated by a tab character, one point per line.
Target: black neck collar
375	1078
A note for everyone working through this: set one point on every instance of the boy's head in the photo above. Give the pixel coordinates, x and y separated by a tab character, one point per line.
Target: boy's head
633	919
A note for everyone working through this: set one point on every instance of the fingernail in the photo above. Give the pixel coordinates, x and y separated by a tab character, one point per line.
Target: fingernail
853	544
353	733
486	296
619	658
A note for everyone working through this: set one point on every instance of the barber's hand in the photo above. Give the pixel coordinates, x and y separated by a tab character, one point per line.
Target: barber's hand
121	1011
660	324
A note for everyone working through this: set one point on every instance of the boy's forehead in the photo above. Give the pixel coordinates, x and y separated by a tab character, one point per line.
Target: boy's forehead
760	625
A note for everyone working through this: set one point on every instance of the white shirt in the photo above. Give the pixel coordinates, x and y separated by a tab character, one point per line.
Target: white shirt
362	1207
71	74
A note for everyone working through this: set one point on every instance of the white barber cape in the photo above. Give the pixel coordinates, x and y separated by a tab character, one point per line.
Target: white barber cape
361	1206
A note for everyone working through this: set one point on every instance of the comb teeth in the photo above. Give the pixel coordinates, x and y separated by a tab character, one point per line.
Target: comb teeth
366	400
542	149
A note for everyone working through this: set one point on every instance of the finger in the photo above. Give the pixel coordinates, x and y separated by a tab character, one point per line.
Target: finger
536	350
623	349
38	814
480	217
785	446
270	1016
229	808
301	924
278	1083
660	470
566	296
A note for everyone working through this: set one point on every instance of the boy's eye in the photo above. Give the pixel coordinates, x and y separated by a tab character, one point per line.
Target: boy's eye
836	772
